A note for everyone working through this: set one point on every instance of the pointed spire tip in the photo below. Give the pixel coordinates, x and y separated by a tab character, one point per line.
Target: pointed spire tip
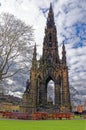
63	44
50	6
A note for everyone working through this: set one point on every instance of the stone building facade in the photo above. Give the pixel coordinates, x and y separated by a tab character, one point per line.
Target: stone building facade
49	67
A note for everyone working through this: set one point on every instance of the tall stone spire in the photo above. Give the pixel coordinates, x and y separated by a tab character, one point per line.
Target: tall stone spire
50	68
63	54
50	19
50	44
34	53
34	60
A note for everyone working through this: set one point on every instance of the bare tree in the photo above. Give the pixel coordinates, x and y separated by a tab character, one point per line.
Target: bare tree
74	95
15	45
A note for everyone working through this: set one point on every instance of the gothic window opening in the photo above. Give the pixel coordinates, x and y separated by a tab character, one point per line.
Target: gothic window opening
50	37
51	92
50	44
50	40
49	59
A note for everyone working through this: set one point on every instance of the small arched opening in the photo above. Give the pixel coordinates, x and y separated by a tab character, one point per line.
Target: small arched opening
50	91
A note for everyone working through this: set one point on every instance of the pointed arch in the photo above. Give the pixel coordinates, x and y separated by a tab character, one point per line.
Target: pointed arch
50	90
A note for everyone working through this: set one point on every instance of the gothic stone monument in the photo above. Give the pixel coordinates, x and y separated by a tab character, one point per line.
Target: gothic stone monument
49	67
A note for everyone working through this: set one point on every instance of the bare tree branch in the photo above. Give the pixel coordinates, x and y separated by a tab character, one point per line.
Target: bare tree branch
16	46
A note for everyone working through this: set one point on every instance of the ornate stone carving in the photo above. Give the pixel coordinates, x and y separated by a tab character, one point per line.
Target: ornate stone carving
50	68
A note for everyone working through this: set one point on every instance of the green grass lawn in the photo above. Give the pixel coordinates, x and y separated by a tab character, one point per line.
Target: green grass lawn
43	125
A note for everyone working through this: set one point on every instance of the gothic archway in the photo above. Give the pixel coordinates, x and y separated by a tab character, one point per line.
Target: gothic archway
50	91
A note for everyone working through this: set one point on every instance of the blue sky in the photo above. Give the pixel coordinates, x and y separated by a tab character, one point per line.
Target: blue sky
70	20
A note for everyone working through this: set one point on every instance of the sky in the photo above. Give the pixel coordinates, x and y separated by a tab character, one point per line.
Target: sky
70	20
